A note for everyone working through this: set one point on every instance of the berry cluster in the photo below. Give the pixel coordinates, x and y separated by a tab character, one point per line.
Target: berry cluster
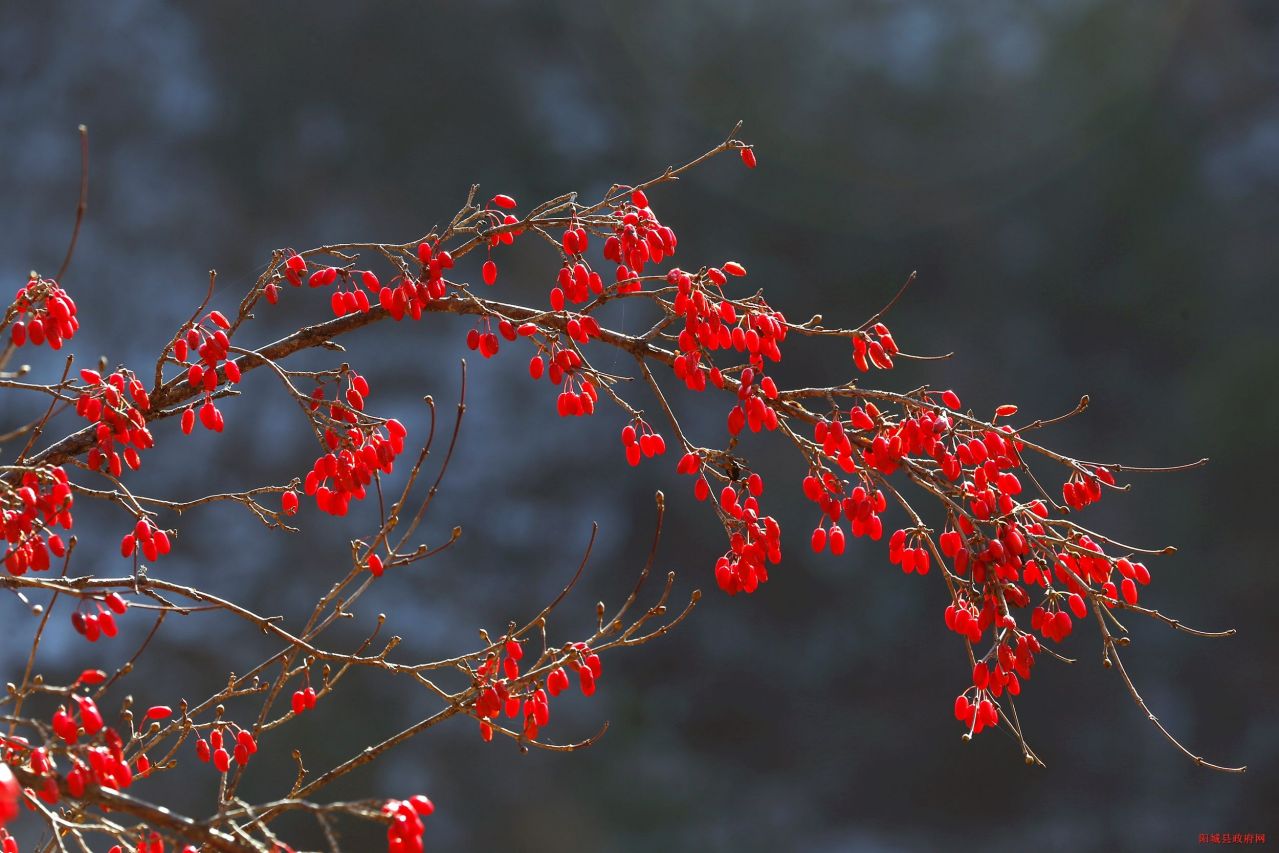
754	543
116	405
637	239
64	723
404	834
861	507
215	750
354	300
641	442
712	322
918	435
1084	489
98	761
359	447
908	551
577	392
483	340
506	235
147	539
344	473
503	694
347	297
43	500
98	621
303	699
209	342
576	284
411	297
1002	551
1007	667
752	409
406	297
42	313
589	669
876	348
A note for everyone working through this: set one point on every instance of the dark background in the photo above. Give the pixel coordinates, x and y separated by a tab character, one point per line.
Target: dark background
1089	193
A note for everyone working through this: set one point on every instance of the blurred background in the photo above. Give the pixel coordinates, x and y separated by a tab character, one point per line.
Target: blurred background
1089	191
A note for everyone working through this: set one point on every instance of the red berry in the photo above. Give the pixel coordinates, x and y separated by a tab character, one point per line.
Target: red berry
836	540
1077	605
92	676
819	539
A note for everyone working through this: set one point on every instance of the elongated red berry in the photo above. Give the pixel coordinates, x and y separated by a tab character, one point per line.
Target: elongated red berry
1077	605
836	539
819	539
